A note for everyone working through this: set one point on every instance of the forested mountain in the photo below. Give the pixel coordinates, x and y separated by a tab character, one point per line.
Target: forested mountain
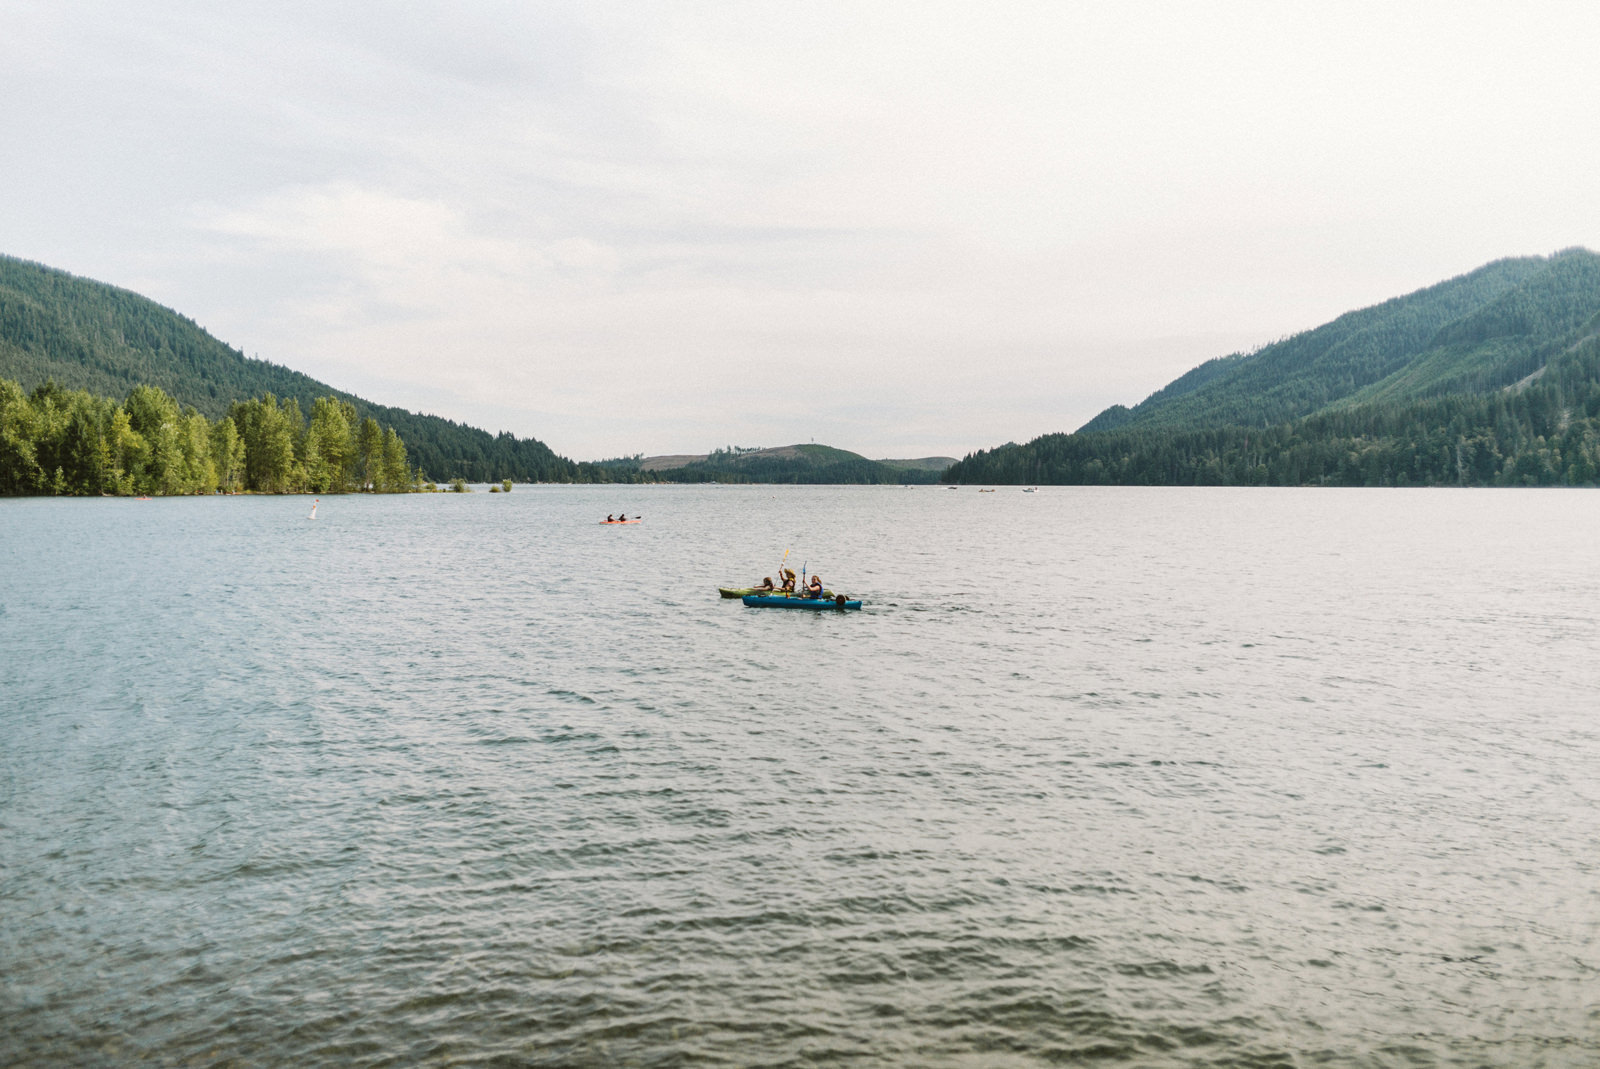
1492	378
808	463
86	335
1459	321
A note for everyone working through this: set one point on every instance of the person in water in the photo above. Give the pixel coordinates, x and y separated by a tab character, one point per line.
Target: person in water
814	588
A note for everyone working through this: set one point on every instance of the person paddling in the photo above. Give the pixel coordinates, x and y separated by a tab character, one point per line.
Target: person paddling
814	588
766	584
609	519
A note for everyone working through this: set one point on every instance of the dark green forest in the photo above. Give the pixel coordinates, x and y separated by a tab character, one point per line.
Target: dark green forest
1490	379
70	442
86	335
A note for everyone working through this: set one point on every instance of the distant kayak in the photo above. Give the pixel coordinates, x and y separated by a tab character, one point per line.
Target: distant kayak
780	601
617	523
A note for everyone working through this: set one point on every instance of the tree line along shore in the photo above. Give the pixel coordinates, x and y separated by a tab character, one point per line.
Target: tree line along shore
73	443
1490	378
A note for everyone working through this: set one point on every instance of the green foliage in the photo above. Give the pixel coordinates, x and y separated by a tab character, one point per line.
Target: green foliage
1491	379
505	485
329	450
621	463
86	335
1546	433
268	444
57	441
1476	332
227	452
459	485
394	477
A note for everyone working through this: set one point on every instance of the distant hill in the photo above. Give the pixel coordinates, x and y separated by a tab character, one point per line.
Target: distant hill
933	464
91	336
1490	378
671	461
808	463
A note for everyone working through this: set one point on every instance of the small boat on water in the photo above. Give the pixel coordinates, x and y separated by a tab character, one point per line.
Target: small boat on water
784	601
741	591
617	523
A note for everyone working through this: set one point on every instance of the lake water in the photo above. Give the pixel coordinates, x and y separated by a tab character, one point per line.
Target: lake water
1155	777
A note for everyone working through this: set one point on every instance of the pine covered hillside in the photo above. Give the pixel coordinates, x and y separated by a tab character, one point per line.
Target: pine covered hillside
1484	329
86	335
1492	378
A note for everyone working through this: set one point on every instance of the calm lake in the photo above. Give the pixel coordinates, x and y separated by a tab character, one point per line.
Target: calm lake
1155	777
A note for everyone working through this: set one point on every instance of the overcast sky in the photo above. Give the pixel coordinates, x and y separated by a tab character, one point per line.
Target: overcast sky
904	229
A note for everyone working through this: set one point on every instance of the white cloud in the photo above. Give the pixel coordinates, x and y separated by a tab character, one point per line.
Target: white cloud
925	227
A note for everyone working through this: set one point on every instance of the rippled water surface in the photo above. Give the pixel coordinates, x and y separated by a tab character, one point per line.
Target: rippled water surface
1099	776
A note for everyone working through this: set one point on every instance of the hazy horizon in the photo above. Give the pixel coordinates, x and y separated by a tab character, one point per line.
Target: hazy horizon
916	230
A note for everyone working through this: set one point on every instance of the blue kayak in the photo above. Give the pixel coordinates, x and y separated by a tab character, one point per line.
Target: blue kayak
768	601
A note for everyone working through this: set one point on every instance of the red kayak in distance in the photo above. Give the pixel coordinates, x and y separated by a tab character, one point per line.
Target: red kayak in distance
617	523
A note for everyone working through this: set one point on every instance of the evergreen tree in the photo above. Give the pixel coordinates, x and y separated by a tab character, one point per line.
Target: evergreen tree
227	452
154	417
394	476
329	449
369	454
